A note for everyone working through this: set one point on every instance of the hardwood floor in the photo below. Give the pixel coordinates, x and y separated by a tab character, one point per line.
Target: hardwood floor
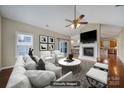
4	76
115	71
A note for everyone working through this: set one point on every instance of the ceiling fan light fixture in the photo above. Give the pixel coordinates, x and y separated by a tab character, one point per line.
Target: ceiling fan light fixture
72	26
78	25
76	22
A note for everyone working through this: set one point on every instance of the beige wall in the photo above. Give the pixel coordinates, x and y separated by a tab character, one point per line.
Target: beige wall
9	30
0	43
120	45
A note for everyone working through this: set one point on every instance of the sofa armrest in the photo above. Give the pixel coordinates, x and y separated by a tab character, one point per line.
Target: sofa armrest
66	77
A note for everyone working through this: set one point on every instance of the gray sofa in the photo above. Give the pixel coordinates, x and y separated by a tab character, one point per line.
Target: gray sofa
23	78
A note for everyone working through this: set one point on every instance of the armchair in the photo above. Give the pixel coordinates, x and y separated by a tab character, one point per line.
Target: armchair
58	55
47	56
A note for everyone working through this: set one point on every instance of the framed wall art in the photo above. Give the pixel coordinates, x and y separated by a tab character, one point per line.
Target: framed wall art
51	39
51	46
43	39
43	47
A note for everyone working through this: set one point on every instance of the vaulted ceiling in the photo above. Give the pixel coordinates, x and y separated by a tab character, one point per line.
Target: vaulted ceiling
53	16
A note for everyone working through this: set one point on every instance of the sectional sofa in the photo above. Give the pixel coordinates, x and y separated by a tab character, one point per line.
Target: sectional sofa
25	75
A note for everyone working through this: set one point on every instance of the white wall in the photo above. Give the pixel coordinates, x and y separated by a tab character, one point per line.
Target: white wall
120	44
9	29
75	40
0	43
86	28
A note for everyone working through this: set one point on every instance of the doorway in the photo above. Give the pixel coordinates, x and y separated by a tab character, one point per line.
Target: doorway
64	46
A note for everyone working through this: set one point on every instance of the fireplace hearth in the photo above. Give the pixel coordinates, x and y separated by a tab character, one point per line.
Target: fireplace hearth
88	51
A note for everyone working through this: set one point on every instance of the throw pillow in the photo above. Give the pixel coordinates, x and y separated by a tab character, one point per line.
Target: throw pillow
30	64
40	78
40	65
34	59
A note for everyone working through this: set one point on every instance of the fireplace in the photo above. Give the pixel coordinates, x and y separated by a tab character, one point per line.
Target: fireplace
88	51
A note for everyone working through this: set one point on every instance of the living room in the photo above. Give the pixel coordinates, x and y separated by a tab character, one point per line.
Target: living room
45	28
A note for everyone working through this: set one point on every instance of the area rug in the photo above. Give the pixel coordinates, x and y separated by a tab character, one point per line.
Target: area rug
80	72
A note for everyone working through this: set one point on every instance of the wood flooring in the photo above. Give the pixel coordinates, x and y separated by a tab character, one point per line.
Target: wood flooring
4	77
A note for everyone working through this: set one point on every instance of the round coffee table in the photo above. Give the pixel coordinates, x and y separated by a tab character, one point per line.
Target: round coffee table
65	63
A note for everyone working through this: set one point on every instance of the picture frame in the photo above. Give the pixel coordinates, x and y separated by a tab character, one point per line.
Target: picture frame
43	39
43	47
51	39
51	47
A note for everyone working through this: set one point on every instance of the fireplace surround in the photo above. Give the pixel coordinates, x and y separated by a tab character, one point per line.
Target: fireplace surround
88	51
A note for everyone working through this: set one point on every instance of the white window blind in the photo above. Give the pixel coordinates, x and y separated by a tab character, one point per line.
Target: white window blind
23	43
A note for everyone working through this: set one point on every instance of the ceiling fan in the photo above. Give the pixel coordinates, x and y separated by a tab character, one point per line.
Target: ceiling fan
76	22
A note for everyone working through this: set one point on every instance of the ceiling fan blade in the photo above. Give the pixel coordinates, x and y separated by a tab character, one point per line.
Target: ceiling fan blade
83	22
80	17
69	20
118	5
68	25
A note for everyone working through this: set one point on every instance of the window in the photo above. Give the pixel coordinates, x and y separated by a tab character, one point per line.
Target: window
23	43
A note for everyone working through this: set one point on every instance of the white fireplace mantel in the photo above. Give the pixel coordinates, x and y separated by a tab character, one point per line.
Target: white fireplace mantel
81	54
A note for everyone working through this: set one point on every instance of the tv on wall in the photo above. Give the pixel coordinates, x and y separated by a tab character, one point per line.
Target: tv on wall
88	37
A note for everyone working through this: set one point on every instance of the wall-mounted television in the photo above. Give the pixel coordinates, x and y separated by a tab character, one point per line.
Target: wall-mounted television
88	37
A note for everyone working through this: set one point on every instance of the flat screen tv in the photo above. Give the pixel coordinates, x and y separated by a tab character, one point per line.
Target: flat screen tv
88	37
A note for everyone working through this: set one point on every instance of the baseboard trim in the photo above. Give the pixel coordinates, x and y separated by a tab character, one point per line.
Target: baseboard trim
3	68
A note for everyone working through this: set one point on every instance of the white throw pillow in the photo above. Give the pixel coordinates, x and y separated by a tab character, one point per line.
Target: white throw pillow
40	78
19	81
25	57
30	64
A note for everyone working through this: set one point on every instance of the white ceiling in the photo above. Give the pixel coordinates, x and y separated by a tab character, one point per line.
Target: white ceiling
54	15
109	31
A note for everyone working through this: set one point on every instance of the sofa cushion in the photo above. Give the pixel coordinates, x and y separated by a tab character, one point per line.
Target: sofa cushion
51	67
40	65
30	64
19	81
18	69
40	78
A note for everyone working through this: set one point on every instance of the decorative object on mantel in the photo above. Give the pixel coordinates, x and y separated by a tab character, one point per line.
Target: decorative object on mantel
69	58
76	22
